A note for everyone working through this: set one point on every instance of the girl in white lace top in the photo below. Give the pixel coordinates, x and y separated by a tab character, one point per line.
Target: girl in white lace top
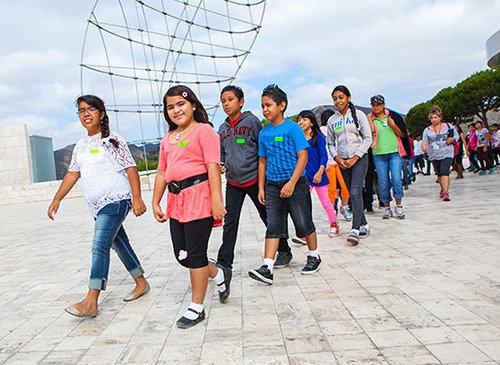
111	187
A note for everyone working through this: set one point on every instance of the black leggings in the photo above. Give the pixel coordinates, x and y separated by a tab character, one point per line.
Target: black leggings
190	241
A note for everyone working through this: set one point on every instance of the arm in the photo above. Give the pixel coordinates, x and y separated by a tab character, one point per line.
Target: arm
462	137
366	139
215	191
323	160
488	139
67	184
159	189
330	143
370	121
222	168
262	180
289	187
391	123
138	206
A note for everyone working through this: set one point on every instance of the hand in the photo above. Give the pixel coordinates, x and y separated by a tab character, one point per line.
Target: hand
218	210
327	168
467	152
159	215
390	122
317	177
222	168
53	207
262	196
351	162
138	207
287	190
342	163
450	140
485	149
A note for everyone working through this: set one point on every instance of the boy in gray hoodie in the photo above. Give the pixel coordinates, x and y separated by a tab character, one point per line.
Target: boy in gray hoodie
239	142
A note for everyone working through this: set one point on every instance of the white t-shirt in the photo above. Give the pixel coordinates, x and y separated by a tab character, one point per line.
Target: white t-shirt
417	148
102	170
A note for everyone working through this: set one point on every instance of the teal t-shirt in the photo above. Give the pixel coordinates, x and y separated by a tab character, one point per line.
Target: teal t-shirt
387	141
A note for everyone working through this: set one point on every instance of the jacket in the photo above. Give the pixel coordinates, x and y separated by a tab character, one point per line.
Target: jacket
404	147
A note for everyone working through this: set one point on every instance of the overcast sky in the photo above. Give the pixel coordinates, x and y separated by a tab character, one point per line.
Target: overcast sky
406	50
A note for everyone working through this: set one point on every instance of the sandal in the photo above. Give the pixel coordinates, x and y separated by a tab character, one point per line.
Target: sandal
184	322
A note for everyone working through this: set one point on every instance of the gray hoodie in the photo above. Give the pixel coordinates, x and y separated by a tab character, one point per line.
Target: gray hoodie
238	148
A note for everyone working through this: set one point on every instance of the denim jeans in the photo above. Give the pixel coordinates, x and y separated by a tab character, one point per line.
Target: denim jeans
411	172
298	205
354	178
384	164
109	233
235	196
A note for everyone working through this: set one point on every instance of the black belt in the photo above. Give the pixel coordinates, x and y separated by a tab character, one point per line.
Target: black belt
175	187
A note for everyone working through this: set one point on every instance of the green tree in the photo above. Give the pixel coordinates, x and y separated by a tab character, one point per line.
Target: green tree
417	118
479	94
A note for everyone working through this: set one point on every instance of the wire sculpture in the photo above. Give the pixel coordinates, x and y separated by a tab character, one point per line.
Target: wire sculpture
134	50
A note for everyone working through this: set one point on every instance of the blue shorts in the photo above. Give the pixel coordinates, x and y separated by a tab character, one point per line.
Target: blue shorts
298	205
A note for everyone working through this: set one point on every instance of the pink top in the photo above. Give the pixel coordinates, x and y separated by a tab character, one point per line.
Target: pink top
185	158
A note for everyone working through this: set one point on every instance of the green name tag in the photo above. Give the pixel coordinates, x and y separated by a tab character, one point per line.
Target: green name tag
240	141
94	151
182	144
339	127
278	139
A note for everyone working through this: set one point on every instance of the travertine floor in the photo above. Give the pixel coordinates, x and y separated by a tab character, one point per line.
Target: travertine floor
425	290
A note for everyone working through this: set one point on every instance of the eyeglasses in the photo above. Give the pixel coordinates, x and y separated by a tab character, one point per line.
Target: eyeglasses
90	110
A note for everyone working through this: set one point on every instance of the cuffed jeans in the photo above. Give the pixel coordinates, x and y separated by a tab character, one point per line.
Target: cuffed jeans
109	233
354	178
384	164
235	196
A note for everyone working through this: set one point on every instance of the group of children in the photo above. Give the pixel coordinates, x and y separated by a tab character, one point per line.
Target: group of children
277	166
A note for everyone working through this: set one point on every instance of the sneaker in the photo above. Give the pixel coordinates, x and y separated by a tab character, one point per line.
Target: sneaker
334	230
387	214
223	295
400	213
283	259
441	193
490	171
299	241
312	265
185	322
482	173
353	237
446	197
364	231
346	212
262	274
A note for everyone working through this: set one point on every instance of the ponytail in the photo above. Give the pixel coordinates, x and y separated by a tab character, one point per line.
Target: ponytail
354	116
105	130
97	103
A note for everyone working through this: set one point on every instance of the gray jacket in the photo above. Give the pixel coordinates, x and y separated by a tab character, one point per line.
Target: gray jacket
239	146
344	139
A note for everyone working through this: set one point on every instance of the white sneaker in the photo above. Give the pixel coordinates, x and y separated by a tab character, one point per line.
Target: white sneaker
400	213
364	231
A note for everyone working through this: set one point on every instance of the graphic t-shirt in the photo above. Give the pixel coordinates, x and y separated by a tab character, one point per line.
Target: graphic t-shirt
280	144
387	141
437	147
495	139
481	137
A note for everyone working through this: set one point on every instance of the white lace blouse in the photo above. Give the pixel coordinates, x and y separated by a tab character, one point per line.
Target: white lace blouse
102	170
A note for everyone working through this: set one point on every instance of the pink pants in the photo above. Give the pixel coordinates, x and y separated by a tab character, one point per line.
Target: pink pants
322	192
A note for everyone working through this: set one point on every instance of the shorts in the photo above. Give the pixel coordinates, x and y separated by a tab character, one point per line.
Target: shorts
298	205
442	167
190	241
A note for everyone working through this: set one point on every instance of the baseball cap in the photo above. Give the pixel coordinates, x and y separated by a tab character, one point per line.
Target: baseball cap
377	99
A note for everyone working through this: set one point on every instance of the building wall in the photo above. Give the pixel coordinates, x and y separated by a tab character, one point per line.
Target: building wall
493	50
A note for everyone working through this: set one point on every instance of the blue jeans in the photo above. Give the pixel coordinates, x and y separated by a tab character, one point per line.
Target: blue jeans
411	163
384	164
109	233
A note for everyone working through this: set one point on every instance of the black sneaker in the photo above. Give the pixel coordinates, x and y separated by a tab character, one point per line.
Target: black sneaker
262	274
223	295
283	259
312	265
184	322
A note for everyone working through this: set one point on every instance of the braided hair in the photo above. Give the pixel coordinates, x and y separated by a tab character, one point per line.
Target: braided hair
97	103
344	90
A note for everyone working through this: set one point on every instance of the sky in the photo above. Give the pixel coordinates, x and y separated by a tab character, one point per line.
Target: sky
406	50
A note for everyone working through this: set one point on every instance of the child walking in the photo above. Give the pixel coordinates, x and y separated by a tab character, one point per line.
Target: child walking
188	166
349	138
317	160
111	187
239	142
283	187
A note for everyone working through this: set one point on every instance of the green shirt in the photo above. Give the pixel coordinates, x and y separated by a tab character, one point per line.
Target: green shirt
387	141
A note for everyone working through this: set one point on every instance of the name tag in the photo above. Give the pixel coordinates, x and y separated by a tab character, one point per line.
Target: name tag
240	141
182	144
94	151
339	127
278	139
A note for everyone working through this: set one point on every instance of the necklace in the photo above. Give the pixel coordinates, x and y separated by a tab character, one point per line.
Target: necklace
178	135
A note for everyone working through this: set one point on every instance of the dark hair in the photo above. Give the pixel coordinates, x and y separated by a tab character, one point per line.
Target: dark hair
314	128
325	116
344	90
495	125
471	125
237	91
459	129
199	114
275	93
97	103
478	121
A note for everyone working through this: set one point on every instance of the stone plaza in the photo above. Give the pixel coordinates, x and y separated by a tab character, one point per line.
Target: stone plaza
424	290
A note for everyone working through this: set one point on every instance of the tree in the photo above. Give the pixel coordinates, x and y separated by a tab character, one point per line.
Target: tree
479	94
418	118
449	100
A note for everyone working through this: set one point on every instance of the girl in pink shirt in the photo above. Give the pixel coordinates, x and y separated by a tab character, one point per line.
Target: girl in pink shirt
189	168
